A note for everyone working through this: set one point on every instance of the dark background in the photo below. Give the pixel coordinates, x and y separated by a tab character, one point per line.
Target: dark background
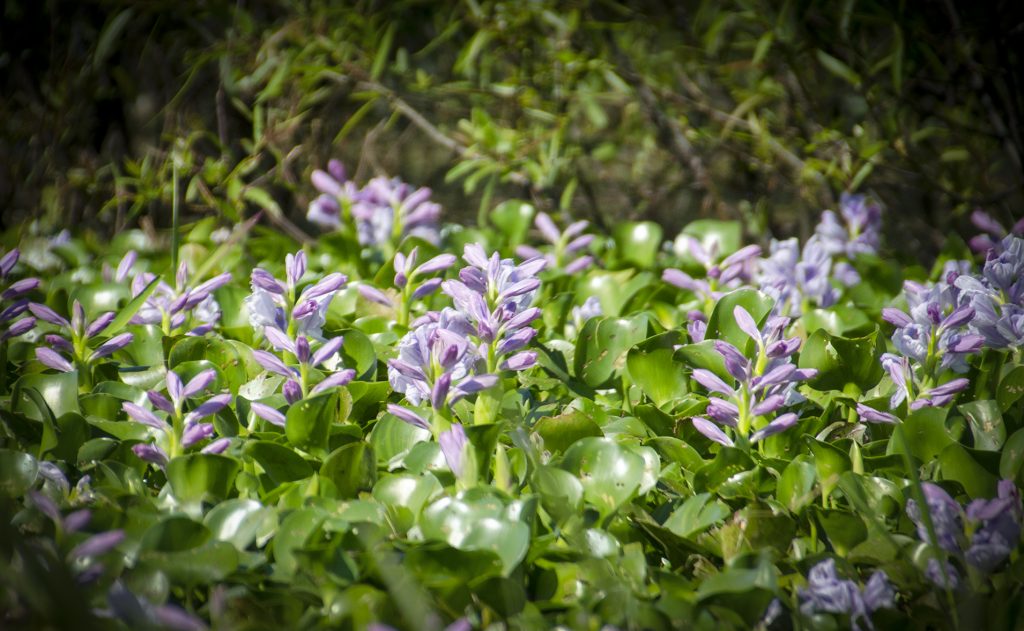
763	111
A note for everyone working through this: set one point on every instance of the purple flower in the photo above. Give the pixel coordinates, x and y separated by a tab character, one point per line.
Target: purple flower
15	292
997	528
855	230
871	415
267	413
761	386
97	545
937	332
453	445
52	359
946	517
180	306
993	233
436	362
81	332
384	210
8	261
495	295
280	305
908	388
192	431
591	308
568	247
308	359
408	416
997	296
984	535
371	293
827	593
218	446
719	276
792	277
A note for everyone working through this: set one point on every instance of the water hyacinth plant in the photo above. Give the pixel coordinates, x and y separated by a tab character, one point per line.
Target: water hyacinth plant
181	429
568	246
175	308
555	440
384	210
413	282
763	384
275	304
74	339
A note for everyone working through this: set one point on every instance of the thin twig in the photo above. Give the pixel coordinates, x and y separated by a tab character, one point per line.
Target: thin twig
401	106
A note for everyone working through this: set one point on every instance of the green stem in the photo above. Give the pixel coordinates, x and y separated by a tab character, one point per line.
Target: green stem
177	429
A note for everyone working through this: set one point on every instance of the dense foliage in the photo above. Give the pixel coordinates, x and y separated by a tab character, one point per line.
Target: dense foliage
513	425
598	359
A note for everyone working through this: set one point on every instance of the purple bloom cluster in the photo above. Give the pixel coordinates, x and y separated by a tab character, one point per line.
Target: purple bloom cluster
993	234
568	246
184	429
180	306
911	389
384	210
436	363
412	282
14	293
827	593
720	276
997	296
855	230
495	295
797	278
296	384
983	535
81	332
763	385
935	333
275	304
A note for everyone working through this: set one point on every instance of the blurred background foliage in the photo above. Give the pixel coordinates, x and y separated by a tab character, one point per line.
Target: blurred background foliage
753	109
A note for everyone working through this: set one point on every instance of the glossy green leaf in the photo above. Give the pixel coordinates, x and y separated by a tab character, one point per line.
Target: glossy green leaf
240	521
731	473
1012	459
602	345
357	353
198	476
17	472
348	470
58	390
560	432
986	422
651	366
309	422
841	361
956	463
514	218
561	492
638	242
610	473
175	533
795	488
696	515
475	526
829	462
280	463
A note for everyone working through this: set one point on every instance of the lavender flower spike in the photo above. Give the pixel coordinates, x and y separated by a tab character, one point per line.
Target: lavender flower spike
453	445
